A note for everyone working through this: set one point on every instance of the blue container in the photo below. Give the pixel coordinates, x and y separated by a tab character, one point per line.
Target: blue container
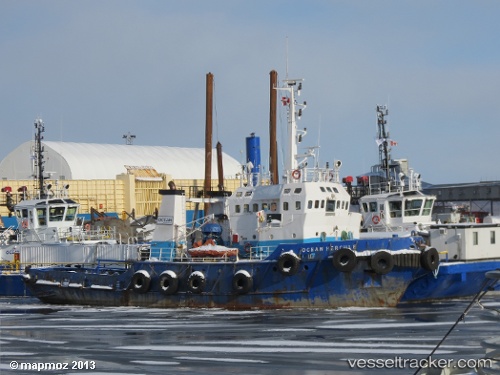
253	156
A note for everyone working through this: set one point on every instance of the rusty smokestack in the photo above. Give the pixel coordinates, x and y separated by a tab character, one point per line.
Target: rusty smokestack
220	167
273	145
208	137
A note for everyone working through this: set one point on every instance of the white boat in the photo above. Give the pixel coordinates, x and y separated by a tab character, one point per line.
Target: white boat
48	231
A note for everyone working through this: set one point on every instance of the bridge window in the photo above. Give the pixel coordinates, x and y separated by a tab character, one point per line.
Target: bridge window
427	207
285	206
297	190
330	205
246	208
71	213
395	209
316	204
322	203
373	206
237	209
412	207
56	213
297	205
309	204
41	213
492	237
255	207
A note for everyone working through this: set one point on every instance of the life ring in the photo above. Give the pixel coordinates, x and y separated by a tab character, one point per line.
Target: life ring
288	264
87	227
344	260
141	281
429	259
196	282
375	219
296	174
169	283
242	282
382	262
24	224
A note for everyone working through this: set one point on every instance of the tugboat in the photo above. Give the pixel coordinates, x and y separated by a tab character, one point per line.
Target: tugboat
48	230
267	245
390	196
391	201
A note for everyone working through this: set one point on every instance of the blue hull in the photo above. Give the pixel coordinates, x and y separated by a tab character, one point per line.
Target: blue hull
453	280
312	280
12	285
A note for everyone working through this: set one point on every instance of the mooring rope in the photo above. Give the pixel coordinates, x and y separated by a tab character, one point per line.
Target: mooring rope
485	288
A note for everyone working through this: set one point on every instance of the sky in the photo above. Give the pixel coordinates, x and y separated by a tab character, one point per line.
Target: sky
96	70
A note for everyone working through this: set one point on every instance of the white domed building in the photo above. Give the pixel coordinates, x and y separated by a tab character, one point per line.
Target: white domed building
112	177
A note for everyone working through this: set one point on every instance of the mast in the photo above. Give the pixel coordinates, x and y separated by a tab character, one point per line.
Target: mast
39	168
293	87
384	149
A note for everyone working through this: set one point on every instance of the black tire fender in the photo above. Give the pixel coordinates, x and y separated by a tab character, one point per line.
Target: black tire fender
429	259
169	282
196	282
242	282
288	264
345	260
141	281
382	262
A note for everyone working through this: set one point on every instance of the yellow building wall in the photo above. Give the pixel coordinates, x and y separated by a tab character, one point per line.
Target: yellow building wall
124	194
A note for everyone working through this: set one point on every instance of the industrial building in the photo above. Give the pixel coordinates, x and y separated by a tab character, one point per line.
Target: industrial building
111	177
